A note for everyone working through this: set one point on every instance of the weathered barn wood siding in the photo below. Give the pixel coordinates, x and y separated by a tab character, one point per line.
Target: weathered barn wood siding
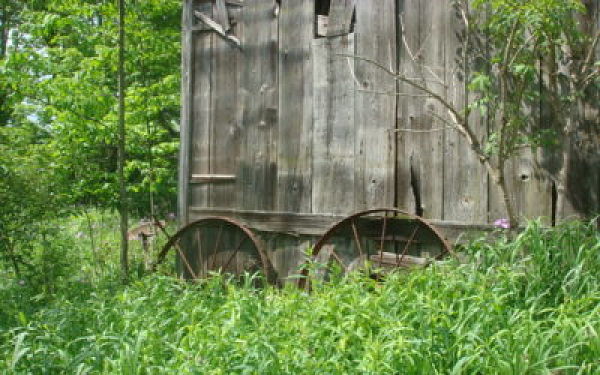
225	114
375	113
257	170
421	156
466	188
333	142
288	123
294	151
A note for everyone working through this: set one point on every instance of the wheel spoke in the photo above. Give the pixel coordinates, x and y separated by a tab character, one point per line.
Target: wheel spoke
382	239
409	242
199	244
217	244
185	261
237	248
187	244
338	258
162	228
396	231
357	239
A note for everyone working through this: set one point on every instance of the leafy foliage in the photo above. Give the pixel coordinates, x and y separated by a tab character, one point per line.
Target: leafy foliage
66	84
523	306
58	113
533	76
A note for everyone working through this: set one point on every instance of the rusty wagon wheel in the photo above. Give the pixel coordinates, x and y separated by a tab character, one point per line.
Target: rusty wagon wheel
217	244
376	241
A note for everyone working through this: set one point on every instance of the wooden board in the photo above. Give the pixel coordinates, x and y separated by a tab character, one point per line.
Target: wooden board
420	141
186	115
294	152
287	253
258	147
333	135
194	107
317	224
375	107
465	178
530	190
340	17
428	154
200	107
407	32
225	112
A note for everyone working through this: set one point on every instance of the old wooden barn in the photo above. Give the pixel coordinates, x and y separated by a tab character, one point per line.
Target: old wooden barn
284	132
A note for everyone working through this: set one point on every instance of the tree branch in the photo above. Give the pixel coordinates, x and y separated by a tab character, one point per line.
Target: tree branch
457	118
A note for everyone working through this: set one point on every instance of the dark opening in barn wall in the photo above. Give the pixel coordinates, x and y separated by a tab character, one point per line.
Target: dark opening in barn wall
322	7
334	17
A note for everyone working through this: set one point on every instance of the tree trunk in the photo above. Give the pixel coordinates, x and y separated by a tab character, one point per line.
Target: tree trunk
92	243
564	207
13	258
123	207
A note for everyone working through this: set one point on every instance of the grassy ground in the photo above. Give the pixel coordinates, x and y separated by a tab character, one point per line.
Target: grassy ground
526	306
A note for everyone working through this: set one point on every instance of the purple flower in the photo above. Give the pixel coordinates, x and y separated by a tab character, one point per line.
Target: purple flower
502	223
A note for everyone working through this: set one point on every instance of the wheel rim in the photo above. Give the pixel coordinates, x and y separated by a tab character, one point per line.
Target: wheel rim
217	244
376	239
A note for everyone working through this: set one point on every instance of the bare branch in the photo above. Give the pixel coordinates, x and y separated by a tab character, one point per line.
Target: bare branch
405	42
520	49
591	52
413	57
409	81
511	38
393	93
459	120
404	130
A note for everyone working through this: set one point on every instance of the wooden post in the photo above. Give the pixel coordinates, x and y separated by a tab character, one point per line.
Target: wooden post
186	113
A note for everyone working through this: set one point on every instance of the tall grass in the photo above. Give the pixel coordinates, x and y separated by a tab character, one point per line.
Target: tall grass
530	305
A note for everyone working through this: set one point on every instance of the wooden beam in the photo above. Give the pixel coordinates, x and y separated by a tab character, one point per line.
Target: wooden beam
186	112
317	224
216	27
211	178
234	3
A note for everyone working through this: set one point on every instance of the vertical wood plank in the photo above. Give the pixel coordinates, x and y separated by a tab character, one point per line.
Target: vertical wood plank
333	135
375	105
221	14
407	32
530	191
225	121
186	113
199	104
257	169
420	140
429	157
294	154
465	178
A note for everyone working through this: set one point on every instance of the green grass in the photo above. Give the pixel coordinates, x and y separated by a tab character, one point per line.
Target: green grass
526	306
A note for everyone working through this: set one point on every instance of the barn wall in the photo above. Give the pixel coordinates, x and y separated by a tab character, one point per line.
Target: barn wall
286	122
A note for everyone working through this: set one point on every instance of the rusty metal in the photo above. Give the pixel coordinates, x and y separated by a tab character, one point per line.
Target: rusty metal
350	221
237	249
382	238
356	238
217	243
407	246
225	223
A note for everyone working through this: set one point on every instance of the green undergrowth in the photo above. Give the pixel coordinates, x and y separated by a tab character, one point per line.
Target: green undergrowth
530	305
